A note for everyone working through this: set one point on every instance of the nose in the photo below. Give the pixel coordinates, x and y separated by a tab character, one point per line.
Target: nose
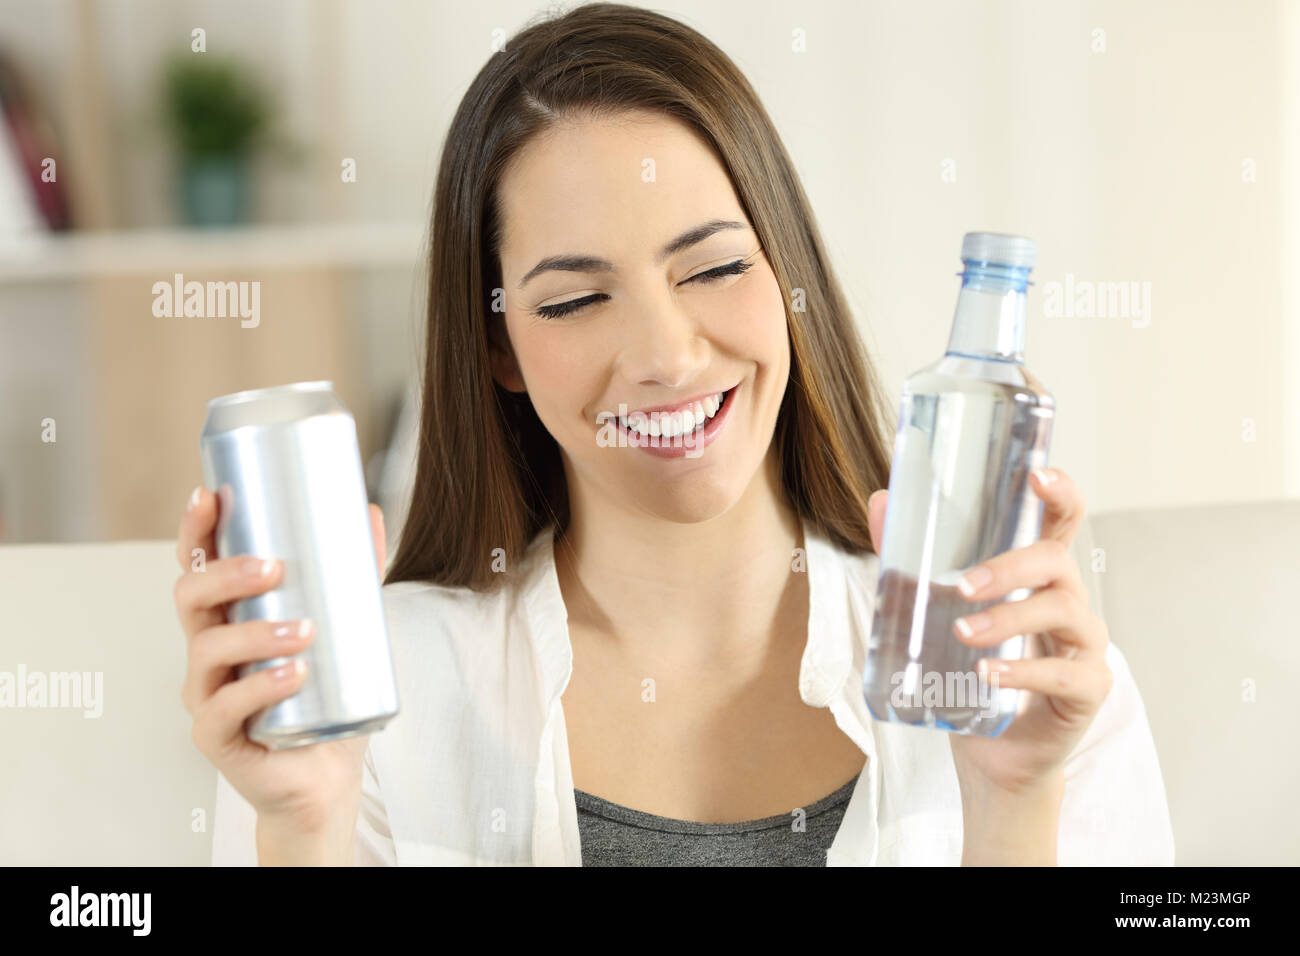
665	346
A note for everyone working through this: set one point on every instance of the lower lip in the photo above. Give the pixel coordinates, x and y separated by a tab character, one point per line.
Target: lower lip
677	446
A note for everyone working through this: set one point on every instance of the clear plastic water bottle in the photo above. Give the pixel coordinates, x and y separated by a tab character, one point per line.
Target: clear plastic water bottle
970	429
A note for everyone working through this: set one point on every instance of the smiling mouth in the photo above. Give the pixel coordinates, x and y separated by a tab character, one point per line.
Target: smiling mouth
677	424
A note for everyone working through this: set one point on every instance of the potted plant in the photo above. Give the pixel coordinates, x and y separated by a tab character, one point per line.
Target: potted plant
218	116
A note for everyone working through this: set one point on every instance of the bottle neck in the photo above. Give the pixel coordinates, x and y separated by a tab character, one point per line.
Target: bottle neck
989	321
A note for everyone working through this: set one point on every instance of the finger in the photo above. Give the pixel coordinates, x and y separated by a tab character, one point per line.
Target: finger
1059	611
379	534
1063	503
876	505
219	720
197	526
201	596
1042	564
1075	687
219	649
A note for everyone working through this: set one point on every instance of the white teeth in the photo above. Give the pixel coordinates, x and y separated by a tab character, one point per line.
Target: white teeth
665	425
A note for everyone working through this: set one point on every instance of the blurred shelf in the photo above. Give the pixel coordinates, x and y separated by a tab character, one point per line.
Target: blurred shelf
75	256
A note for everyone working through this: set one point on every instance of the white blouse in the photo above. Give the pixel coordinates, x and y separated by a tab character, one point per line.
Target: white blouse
474	770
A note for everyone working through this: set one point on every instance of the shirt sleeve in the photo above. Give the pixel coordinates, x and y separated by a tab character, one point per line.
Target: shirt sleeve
1115	811
374	844
234	826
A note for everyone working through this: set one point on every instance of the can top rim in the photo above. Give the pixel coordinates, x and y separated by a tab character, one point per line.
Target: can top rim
256	393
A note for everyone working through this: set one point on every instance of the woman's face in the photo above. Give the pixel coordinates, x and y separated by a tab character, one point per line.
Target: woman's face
647	326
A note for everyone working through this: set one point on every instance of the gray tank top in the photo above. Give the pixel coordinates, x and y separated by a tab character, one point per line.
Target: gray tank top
614	835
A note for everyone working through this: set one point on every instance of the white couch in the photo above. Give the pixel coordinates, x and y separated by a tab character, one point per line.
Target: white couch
1195	597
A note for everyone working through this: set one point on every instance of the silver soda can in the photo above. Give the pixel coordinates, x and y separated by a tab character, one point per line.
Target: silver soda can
285	465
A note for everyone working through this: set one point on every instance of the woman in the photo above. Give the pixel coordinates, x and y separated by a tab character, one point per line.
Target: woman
632	597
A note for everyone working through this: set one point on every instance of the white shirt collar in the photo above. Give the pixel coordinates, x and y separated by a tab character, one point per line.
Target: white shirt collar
828	650
827	678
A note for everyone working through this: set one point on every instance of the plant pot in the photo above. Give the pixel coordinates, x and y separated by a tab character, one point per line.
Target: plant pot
214	190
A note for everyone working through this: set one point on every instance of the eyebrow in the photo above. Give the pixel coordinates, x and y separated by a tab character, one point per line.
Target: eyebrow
584	263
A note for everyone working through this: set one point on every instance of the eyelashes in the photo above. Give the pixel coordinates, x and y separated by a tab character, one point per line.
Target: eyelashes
739	267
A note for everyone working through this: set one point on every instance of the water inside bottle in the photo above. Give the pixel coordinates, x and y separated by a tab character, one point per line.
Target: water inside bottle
971	428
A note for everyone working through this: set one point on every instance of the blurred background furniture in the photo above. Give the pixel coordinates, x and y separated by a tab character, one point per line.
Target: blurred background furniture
1196	598
218	142
127	390
364	94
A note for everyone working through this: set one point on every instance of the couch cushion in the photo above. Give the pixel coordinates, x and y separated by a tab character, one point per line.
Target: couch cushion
126	787
1198	600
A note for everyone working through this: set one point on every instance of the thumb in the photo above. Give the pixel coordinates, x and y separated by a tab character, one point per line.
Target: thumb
876	505
381	541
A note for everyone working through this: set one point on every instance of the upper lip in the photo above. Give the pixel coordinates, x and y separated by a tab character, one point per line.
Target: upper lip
679	406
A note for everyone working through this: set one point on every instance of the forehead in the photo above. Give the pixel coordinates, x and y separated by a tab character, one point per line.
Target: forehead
610	186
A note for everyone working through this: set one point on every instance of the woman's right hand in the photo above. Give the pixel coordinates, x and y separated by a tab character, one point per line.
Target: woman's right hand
307	793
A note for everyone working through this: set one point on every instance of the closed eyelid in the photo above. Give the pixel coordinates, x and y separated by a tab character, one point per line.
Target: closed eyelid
717	264
577	303
584	262
727	260
747	261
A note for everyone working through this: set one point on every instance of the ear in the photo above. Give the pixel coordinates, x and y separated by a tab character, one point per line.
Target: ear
505	369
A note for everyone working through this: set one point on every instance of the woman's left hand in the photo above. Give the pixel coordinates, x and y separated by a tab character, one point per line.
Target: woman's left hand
1069	682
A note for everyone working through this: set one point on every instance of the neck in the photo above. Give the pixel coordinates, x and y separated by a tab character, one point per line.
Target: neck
703	590
989	321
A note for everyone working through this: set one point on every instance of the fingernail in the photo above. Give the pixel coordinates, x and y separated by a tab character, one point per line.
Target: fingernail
194	497
973	580
1044	476
291	669
973	624
292	632
987	664
259	568
872	497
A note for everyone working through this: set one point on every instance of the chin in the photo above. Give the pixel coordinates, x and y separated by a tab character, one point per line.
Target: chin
690	501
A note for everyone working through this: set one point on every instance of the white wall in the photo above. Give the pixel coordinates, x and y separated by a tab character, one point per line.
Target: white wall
1124	165
1288	54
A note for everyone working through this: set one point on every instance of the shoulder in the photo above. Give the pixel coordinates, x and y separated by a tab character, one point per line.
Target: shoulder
857	571
403	598
418	611
862	571
463	748
447	641
857	577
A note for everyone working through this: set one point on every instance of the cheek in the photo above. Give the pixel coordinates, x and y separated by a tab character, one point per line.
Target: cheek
754	325
556	368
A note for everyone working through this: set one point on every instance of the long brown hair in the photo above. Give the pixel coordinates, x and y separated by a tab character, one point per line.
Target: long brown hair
488	474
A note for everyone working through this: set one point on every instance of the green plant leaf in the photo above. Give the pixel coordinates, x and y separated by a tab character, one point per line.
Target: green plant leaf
213	106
